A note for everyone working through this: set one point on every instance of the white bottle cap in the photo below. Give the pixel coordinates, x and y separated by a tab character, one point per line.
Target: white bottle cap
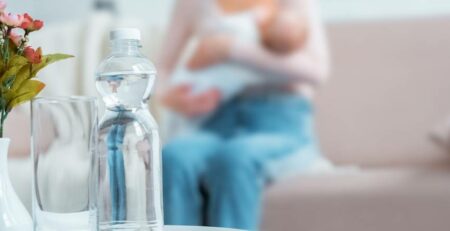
125	33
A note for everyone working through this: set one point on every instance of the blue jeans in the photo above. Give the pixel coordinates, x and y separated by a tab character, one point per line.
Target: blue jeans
216	176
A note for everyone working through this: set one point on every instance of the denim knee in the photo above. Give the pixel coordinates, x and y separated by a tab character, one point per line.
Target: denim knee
184	154
250	155
235	159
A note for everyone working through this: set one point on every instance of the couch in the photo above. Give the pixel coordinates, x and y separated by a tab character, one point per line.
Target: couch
390	86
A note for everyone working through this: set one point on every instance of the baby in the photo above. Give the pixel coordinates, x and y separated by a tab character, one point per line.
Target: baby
281	33
284	33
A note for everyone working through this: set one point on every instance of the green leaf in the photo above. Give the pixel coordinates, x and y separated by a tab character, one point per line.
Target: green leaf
46	60
51	58
12	70
8	82
27	91
17	60
17	85
21	75
14	65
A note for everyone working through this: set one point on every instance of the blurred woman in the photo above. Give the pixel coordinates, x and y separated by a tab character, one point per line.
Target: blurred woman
216	174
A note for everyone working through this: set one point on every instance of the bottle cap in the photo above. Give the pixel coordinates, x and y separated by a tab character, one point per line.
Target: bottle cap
125	33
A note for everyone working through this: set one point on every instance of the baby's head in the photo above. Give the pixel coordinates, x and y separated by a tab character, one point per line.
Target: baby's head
286	32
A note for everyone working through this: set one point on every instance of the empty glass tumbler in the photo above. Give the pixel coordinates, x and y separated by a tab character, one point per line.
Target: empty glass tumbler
128	175
64	139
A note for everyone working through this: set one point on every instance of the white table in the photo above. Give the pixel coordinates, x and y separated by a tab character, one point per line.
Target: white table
195	228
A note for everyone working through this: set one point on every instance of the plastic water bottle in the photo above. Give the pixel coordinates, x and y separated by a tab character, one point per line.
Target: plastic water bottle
126	184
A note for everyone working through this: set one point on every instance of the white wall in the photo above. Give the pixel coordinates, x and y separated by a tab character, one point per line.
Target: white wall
351	10
157	10
52	10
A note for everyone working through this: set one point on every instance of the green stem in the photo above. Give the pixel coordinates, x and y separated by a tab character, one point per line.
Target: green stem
2	114
2	121
23	43
6	45
1	131
5	39
6	52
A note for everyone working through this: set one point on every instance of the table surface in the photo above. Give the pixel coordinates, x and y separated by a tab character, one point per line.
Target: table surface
195	228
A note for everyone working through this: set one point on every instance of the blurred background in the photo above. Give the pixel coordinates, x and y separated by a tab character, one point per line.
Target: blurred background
383	117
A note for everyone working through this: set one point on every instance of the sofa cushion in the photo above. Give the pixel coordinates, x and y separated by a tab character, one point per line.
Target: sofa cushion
369	200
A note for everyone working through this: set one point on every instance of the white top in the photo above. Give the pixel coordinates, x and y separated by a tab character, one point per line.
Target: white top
194	18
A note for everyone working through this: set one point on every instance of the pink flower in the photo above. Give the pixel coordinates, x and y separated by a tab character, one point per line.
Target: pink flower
2	6
15	38
30	24
33	56
27	21
12	20
38	24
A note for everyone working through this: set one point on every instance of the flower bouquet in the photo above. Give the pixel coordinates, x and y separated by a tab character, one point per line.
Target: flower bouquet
19	65
19	62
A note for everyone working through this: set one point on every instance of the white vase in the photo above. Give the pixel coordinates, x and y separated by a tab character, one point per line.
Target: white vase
13	215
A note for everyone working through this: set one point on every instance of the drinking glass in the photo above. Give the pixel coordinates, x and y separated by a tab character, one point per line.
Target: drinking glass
64	136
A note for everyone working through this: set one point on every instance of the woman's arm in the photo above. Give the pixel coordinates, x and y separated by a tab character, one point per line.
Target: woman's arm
179	30
303	66
309	64
180	98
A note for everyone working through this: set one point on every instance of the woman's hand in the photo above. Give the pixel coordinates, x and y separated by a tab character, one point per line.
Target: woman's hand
211	50
181	99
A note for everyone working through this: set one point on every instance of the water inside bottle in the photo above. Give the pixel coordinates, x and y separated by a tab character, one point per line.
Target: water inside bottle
125	89
129	168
